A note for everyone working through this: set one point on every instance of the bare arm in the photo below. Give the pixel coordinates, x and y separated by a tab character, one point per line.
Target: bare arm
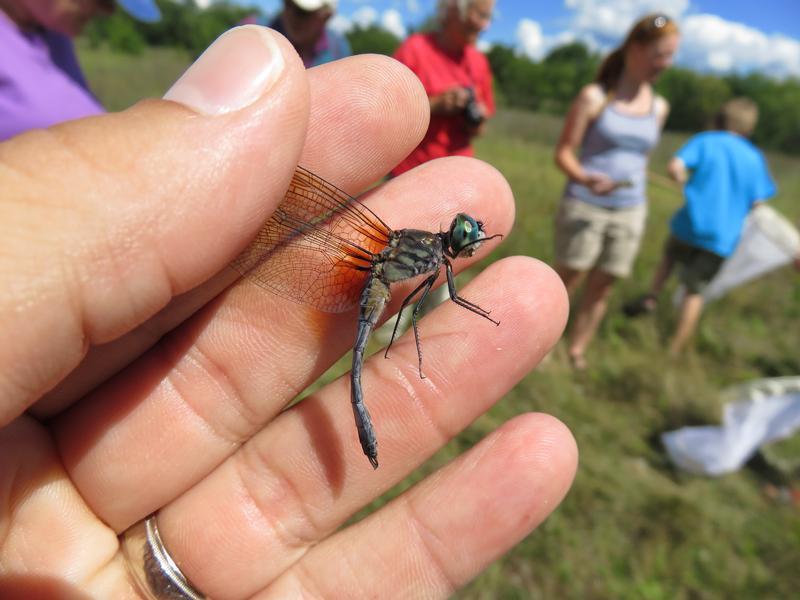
677	170
662	110
585	108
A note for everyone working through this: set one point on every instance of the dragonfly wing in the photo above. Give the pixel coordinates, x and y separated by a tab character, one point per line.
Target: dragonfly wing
317	248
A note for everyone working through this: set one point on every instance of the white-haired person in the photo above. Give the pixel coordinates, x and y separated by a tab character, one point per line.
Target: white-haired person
43	84
604	149
456	77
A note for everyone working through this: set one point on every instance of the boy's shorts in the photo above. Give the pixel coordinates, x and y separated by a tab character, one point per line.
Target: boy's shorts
589	236
697	266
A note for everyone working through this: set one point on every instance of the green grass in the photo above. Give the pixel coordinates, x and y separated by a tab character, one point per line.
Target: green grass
632	526
121	80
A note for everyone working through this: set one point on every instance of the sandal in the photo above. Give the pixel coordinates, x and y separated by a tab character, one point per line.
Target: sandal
644	304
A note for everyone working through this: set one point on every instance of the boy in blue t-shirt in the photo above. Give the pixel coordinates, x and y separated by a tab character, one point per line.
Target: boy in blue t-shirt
729	176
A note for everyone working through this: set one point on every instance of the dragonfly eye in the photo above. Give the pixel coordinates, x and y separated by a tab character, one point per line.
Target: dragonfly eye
464	235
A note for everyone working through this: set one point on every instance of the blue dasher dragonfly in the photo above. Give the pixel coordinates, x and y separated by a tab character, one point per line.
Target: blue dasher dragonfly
326	249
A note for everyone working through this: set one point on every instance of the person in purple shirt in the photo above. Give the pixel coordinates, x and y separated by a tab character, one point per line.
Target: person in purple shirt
41	82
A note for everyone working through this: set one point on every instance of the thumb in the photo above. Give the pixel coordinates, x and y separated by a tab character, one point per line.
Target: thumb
104	220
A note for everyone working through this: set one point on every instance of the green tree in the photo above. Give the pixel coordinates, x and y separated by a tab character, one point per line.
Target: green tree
523	85
372	40
500	58
575	53
167	31
118	31
779	108
694	98
182	24
567	69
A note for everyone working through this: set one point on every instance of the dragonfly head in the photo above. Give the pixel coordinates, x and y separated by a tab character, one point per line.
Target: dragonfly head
465	235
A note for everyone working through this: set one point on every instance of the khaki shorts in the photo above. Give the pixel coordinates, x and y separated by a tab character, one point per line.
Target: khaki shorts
589	236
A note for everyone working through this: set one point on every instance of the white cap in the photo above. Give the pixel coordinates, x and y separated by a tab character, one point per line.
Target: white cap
310	5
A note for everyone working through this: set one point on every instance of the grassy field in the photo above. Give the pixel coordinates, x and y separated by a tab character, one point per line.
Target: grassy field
632	526
119	80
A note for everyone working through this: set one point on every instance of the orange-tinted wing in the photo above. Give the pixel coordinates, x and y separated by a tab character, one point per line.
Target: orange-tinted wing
317	247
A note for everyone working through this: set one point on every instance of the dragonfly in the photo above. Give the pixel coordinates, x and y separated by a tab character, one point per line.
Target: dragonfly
326	249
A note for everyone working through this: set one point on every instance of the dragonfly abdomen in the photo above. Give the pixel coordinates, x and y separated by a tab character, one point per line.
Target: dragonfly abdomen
373	301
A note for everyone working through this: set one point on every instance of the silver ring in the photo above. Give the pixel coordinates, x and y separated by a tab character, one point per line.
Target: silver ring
156	575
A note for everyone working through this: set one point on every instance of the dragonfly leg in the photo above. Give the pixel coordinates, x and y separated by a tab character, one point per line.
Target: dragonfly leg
451	286
408	299
427	284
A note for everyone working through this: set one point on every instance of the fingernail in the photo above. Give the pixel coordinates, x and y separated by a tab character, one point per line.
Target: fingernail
235	71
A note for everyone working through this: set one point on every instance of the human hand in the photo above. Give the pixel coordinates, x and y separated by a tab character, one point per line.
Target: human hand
149	390
450	102
476	123
600	184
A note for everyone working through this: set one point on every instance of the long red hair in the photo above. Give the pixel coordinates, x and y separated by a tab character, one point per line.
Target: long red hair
646	30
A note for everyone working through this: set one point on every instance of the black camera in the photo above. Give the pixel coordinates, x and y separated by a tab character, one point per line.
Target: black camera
472	112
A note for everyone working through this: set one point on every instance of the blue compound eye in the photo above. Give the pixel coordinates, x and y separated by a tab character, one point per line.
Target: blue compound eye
464	235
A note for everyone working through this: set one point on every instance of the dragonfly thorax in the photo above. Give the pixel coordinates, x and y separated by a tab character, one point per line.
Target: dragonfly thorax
412	252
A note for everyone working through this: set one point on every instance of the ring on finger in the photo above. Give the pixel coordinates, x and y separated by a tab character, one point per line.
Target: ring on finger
153	570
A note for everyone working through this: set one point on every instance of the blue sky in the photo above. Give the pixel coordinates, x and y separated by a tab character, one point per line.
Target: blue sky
718	35
768	16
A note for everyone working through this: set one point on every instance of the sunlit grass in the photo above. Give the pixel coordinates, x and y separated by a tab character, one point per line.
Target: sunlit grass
120	80
632	527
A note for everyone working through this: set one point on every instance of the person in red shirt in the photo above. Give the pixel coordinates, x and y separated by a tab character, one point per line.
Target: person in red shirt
456	76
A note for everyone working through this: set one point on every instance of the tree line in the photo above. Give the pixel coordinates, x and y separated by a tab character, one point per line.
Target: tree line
551	84
548	85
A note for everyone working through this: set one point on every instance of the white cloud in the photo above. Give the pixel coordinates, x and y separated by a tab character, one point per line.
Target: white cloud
392	21
530	41
340	24
600	24
609	20
708	42
567	37
714	44
364	17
